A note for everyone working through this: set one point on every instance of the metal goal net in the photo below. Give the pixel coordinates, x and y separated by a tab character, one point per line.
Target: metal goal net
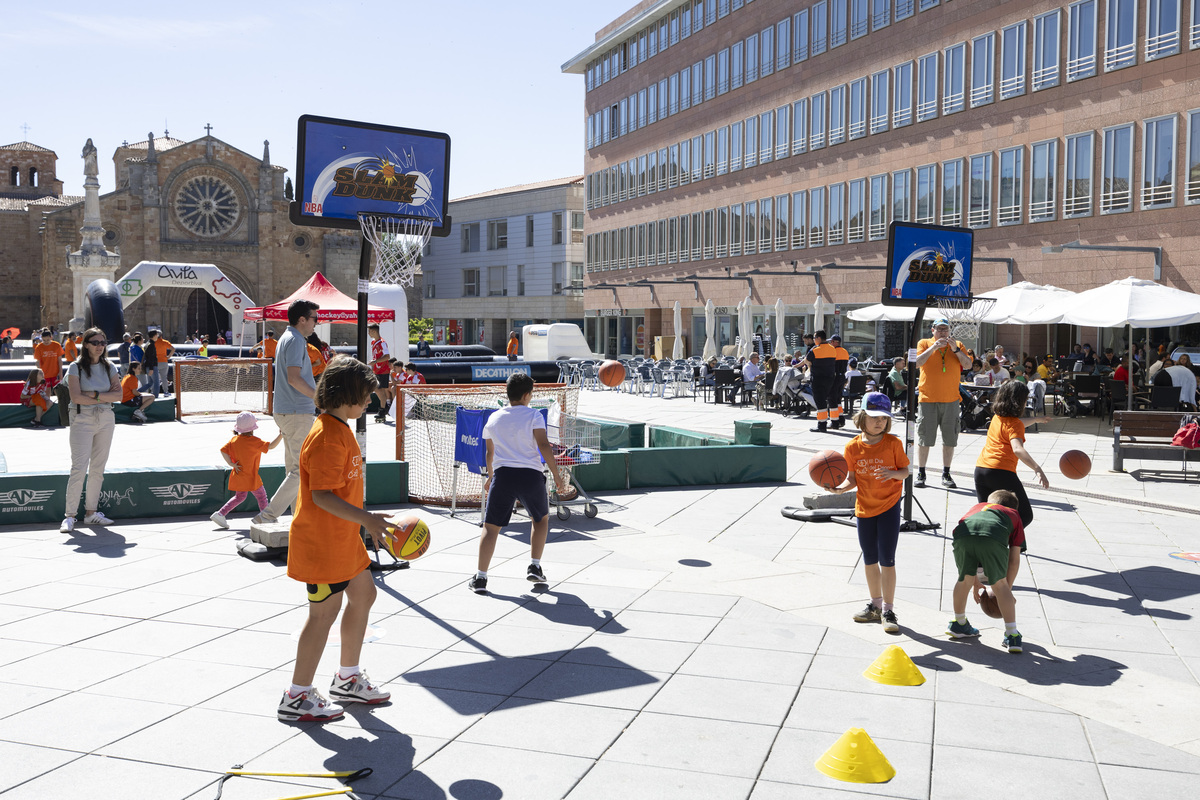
425	425
223	386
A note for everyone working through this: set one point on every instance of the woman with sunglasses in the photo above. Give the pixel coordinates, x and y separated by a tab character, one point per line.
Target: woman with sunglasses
95	385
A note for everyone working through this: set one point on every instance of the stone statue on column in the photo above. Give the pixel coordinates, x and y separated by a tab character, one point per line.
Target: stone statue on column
92	261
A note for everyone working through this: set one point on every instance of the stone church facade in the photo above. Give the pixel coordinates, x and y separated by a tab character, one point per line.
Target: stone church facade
203	201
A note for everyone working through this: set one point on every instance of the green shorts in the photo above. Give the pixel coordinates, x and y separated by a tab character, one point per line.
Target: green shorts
973	552
934	417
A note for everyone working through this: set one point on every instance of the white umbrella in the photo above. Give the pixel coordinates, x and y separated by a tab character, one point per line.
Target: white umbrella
748	336
818	314
1022	298
710	328
677	350
780	345
881	313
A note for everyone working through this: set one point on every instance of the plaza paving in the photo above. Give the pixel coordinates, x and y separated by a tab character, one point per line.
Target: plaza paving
692	643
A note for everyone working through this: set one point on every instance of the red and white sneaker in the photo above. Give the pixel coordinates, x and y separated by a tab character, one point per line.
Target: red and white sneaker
357	689
310	706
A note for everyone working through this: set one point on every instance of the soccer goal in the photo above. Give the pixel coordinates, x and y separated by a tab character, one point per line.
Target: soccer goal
223	386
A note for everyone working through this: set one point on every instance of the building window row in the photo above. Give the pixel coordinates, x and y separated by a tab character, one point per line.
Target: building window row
1085	173
1004	63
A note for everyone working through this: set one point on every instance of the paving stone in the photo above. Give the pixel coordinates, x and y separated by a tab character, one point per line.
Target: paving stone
718	747
609	779
468	771
723	698
113	779
1054	777
24	762
541	727
95	721
592	684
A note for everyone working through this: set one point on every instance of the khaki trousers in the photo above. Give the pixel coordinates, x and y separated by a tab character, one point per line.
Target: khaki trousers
295	428
91	437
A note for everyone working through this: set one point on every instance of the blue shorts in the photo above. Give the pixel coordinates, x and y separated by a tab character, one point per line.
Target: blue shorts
510	484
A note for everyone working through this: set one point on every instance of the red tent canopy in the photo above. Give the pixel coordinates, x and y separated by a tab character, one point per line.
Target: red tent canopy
335	306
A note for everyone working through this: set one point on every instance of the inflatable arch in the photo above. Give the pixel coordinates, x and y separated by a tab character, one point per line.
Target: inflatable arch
149	274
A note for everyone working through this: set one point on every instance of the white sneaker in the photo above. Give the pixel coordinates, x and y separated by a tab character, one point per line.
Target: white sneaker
264	518
219	520
97	518
357	689
140	415
67	526
310	706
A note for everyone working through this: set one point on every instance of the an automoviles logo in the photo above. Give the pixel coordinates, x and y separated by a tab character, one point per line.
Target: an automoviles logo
180	494
25	500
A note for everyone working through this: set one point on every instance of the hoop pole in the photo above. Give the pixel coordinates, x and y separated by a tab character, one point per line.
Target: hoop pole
364	276
908	524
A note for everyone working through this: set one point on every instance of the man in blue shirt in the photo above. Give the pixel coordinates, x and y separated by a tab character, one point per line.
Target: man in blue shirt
292	405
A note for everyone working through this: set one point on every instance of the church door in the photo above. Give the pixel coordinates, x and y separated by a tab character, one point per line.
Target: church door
206	315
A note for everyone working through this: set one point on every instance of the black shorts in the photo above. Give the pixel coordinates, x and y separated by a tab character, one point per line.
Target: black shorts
382	377
134	403
510	484
320	592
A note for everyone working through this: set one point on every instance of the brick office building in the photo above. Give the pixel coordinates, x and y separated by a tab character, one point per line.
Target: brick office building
763	147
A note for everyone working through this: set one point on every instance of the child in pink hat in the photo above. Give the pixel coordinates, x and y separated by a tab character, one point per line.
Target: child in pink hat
242	454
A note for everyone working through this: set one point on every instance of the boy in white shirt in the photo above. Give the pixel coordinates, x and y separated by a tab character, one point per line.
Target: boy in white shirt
516	444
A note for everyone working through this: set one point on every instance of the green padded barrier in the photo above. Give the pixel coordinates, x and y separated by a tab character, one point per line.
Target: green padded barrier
609	473
161	410
685	466
617	435
747	431
40	497
676	437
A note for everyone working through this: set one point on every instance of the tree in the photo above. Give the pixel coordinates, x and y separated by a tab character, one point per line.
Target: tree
288	192
418	326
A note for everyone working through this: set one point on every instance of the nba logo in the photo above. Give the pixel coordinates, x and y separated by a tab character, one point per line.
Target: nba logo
895	292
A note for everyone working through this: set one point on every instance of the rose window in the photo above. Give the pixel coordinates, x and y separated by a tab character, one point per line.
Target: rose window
207	206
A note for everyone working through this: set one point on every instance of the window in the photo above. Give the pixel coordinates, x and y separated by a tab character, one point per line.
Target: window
904	9
766	136
954	79
556	269
723	71
735	229
651	177
816	138
783	43
672	240
735	54
1192	188
783	133
1011	163
927	76
1120	48
858	19
470	283
751	156
881	14
902	96
952	185
752	58
1162	28
529	231
877	209
723	150
782	222
652	101
470	238
858	108
1117	175
766	225
800	36
750	229
675	27
1045	51
497	281
710	154
837	114
1077	180
983	69
696	241
556	227
577	276
710	77
520	280
799	219
928	4
816	217
902	195
856	230
836	224
766	63
1194	39
662	170
1081	40
735	147
1012	61
926	190
837	23
820	27
643	182
1043	169
697	157
1158	162
799	126
722	232
577	227
430	291
979	199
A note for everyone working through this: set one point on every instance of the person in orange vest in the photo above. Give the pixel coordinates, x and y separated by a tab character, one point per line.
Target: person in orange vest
822	364
268	345
841	363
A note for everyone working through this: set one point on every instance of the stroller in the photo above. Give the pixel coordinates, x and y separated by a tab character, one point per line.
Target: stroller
976	410
798	398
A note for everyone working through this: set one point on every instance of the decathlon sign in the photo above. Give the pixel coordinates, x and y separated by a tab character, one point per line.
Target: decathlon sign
497	373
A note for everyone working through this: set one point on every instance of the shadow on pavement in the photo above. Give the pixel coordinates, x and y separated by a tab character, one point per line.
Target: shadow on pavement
103	542
1035	665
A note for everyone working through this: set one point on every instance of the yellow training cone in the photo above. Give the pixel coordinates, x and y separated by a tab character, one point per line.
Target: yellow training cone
894	668
855	758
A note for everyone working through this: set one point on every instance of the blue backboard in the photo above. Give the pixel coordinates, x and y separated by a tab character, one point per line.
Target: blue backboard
926	262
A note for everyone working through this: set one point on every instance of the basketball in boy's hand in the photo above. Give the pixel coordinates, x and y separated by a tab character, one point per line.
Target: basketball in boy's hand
408	538
828	469
612	373
1074	464
989	604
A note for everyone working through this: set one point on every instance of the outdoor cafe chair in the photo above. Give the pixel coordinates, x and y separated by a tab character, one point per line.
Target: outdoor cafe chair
1164	398
855	389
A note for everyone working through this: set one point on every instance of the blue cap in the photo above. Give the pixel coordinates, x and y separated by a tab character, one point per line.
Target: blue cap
877	404
940	321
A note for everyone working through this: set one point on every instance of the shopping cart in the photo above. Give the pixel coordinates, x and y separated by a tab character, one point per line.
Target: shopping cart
575	441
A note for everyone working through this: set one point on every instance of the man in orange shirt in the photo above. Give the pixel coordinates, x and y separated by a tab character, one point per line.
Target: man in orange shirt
941	361
70	348
49	355
163	350
513	345
269	345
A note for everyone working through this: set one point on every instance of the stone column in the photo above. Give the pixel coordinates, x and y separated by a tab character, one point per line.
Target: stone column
92	261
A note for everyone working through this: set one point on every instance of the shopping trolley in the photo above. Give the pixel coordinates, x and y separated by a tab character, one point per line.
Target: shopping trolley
575	442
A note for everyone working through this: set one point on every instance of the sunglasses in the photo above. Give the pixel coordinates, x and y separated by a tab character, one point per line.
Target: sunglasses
97	342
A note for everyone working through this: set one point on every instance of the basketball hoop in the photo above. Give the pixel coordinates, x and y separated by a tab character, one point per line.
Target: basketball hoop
964	315
398	243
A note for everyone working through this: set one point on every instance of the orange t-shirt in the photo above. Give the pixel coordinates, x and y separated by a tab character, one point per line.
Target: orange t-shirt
269	345
323	548
70	351
997	451
247	451
512	347
48	355
161	346
940	375
318	360
875	496
129	388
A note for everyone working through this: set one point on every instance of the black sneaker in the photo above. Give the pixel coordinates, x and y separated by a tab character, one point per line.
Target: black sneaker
535	575
919	481
477	585
890	623
948	482
820	428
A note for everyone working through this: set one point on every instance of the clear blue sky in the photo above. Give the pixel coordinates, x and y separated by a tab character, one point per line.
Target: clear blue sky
487	73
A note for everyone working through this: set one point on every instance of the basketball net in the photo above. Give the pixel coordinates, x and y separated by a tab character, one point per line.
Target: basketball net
398	243
964	314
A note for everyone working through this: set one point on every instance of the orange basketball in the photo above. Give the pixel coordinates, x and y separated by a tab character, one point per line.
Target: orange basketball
1074	464
408	538
828	469
612	373
989	603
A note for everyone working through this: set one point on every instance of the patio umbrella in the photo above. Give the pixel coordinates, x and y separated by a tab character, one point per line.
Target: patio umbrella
1020	298
881	313
748	336
818	313
710	328
677	350
780	345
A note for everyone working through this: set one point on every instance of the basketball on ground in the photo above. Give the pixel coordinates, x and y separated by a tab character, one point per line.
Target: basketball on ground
612	373
408	538
1074	464
828	469
989	603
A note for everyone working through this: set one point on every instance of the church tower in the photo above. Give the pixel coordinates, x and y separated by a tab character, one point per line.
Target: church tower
27	171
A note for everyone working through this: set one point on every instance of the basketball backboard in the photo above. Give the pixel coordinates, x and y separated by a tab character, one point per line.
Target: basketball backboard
926	262
344	168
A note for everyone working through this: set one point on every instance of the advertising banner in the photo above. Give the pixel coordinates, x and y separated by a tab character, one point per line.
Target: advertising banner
496	373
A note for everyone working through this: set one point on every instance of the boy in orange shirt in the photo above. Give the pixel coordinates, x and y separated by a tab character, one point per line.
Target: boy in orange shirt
49	355
130	396
878	467
326	550
243	453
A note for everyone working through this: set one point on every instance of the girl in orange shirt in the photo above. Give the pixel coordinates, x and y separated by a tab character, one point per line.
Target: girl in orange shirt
36	393
131	397
996	467
877	466
242	453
